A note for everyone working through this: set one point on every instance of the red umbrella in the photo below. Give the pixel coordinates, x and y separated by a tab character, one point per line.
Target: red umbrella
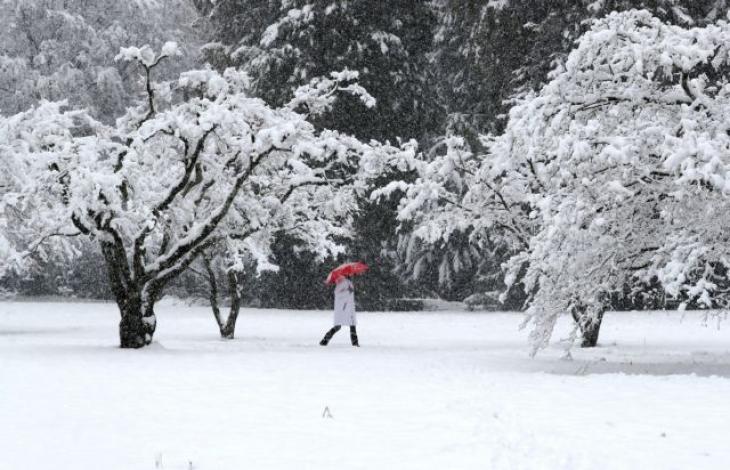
345	270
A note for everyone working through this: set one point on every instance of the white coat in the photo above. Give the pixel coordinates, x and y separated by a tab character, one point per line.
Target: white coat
345	303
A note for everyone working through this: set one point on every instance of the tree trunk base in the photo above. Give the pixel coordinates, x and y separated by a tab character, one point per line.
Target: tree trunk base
590	335
227	328
136	331
589	324
227	334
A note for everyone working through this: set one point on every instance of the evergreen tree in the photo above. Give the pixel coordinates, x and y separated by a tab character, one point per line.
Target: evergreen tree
488	52
283	45
486	55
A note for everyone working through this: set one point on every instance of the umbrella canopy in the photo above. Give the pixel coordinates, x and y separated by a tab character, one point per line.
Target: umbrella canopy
346	270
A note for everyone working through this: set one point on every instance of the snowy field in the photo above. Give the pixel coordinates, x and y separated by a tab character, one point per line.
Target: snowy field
451	391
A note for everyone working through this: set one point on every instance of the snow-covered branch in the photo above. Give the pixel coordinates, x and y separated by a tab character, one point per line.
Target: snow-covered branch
158	192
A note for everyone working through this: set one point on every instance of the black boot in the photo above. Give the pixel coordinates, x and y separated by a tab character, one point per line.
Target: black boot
353	336
328	336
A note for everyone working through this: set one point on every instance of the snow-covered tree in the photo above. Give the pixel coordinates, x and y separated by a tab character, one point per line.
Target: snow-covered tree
198	165
625	152
64	50
613	174
485	55
295	216
283	45
487	52
59	49
461	217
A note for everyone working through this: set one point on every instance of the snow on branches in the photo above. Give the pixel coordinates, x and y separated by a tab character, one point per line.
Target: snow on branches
625	155
199	164
146	56
319	95
64	50
31	141
614	173
459	214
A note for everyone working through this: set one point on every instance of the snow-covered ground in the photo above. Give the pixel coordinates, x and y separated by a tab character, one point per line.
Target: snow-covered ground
447	391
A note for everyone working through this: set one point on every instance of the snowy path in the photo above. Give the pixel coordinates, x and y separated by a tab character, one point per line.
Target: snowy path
426	391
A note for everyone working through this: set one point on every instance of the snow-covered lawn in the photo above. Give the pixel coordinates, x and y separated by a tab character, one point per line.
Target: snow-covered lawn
447	391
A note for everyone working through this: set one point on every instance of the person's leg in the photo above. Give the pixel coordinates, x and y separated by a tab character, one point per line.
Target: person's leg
353	336
328	336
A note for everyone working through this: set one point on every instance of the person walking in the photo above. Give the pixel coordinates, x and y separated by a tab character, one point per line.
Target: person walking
344	311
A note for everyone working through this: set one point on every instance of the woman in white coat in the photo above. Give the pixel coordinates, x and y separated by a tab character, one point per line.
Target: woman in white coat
344	311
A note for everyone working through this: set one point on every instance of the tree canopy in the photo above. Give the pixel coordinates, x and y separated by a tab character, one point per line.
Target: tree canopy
613	172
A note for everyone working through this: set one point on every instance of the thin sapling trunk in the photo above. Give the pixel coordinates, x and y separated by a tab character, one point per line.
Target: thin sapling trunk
227	326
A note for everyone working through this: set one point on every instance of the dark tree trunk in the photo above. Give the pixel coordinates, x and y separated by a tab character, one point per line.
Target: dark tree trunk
588	322
137	325
136	301
227	328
